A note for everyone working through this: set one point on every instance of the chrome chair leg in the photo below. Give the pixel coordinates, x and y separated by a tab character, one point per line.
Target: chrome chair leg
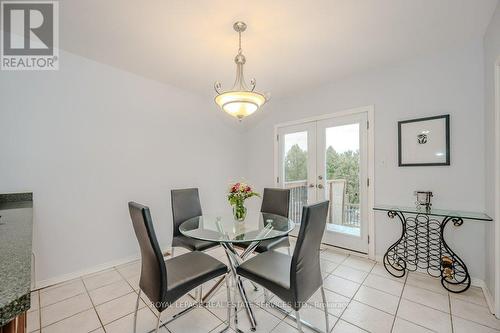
214	289
136	310
255	288
228	291
172	254
299	323
325	308
158	323
200	294
266	296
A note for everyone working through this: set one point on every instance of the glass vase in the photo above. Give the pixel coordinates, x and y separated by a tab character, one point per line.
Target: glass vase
239	212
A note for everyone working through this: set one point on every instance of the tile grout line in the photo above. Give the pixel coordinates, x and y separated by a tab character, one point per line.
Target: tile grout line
350	300
39	311
135	292
93	306
147	306
327	275
419	325
400	297
451	315
107	285
399	301
371	306
63	300
62	319
58	321
87	291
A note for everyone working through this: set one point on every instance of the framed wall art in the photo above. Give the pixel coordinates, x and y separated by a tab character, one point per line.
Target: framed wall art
424	141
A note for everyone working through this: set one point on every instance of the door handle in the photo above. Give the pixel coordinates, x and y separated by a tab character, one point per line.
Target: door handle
312	185
320	186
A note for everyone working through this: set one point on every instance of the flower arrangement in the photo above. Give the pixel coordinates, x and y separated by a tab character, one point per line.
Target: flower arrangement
238	193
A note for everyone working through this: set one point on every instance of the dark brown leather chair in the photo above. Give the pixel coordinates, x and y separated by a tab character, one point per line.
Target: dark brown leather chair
274	201
185	205
165	281
294	279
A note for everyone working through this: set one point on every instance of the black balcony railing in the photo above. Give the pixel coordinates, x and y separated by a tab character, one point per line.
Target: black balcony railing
298	198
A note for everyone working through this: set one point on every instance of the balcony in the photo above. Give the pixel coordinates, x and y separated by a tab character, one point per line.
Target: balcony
346	216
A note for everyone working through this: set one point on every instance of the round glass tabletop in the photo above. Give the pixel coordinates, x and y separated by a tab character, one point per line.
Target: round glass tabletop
223	228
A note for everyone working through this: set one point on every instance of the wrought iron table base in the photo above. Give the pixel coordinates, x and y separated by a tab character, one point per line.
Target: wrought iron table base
422	247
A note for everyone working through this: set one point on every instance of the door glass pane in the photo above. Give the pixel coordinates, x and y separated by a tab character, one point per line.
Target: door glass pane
342	179
295	171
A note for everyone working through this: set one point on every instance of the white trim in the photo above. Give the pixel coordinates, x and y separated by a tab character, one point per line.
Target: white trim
370	110
496	201
347	251
486	291
325	246
91	270
371	175
347	112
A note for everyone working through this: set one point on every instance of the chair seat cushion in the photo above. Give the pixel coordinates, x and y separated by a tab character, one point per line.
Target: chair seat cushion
269	244
192	244
187	271
271	270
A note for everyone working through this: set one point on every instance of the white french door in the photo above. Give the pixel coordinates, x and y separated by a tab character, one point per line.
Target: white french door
327	159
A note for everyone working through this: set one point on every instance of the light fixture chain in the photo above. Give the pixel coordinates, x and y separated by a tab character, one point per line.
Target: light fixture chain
239	43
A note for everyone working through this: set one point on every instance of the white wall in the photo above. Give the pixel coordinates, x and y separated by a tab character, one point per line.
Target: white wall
89	138
450	82
491	56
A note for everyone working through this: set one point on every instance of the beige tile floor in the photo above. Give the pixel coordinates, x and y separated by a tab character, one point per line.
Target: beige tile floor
362	297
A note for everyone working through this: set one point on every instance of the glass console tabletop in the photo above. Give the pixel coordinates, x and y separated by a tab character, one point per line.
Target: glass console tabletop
223	228
435	212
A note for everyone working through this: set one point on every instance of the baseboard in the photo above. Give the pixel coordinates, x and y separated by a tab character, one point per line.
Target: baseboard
345	251
475	282
91	270
486	291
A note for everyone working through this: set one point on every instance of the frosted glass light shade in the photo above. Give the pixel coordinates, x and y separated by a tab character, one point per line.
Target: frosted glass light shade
240	104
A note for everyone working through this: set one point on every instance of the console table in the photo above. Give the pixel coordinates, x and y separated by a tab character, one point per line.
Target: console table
422	245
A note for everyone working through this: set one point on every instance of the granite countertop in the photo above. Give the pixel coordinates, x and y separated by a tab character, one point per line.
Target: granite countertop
16	229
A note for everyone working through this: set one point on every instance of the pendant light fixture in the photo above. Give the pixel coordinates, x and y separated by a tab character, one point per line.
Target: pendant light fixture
241	100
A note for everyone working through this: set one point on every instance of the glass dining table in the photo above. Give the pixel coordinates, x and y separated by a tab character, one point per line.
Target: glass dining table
225	230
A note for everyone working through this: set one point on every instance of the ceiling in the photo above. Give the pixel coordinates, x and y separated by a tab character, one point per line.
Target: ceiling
289	44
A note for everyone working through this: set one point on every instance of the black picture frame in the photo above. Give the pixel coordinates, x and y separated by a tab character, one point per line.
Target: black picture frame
446	118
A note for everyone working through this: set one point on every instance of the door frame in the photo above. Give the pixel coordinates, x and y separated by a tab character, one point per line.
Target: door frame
370	110
355	243
497	187
309	127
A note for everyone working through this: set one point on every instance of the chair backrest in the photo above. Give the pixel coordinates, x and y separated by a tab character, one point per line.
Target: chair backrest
153	281
276	201
185	205
305	272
